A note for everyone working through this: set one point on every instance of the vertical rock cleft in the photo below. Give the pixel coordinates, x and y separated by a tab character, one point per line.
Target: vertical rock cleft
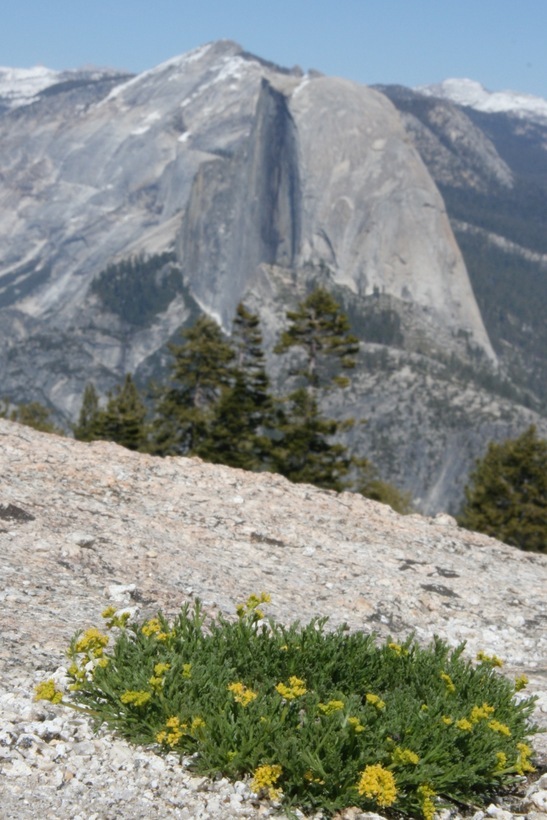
244	209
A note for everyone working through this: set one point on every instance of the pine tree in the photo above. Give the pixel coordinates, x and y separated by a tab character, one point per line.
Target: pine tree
86	429
320	328
304	451
237	433
507	493
123	419
33	415
202	366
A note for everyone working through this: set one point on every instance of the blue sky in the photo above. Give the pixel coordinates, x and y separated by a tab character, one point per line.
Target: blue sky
500	43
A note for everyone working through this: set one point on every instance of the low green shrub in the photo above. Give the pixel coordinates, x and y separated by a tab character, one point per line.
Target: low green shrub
317	719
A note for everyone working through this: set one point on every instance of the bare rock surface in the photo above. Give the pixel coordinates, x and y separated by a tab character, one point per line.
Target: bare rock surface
85	525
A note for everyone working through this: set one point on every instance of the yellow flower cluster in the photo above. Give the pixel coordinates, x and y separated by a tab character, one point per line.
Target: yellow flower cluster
521	683
374	700
395	647
112	619
448	682
187	670
242	694
501	761
251	605
295	689
311	778
356	724
378	784
157	680
48	691
426	794
331	707
404	757
173	732
501	728
523	764
135	698
489	660
464	725
154	628
92	643
481	712
264	780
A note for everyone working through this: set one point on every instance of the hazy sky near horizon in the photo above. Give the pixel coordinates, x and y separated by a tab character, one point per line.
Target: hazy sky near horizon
500	43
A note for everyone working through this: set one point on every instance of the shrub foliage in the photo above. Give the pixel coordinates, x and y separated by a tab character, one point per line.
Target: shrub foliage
507	493
316	719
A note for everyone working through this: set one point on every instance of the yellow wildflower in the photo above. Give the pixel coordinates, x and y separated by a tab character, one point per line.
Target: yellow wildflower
154	627
448	682
374	700
481	712
48	691
356	724
92	642
197	723
378	784
424	707
187	670
264	780
242	694
331	707
501	728
176	731
404	757
490	660
135	698
448	721
395	647
428	806
109	614
295	689
523	764
310	777
521	682
465	725
161	668
252	603
501	763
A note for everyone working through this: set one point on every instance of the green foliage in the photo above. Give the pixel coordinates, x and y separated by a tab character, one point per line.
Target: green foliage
320	328
371	486
87	428
303	452
507	493
237	434
202	367
139	288
121	421
33	415
319	720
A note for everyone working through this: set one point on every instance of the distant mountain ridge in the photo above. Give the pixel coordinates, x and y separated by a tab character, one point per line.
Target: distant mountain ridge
233	178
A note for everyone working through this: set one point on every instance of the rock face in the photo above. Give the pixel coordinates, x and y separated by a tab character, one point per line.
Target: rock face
260	183
86	525
241	164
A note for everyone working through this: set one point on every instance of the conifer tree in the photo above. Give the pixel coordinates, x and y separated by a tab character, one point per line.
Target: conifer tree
237	433
507	493
304	451
320	328
202	366
33	415
123	419
87	427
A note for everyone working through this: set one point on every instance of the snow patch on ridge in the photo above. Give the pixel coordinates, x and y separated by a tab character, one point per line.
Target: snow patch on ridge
21	85
474	95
